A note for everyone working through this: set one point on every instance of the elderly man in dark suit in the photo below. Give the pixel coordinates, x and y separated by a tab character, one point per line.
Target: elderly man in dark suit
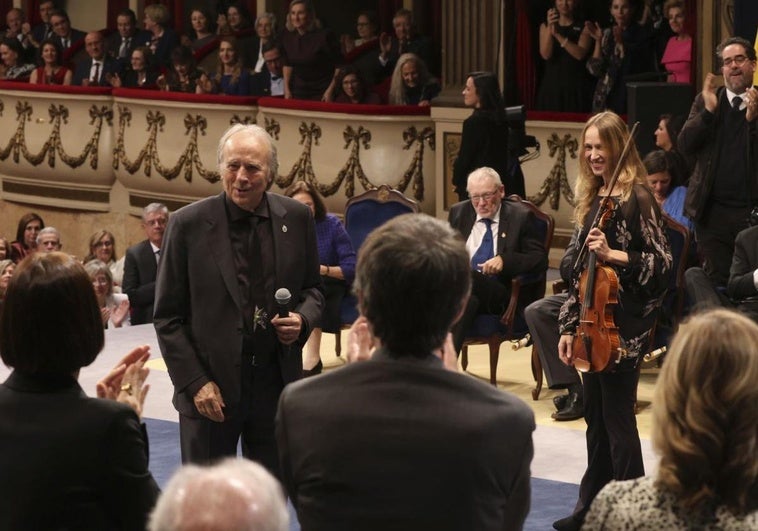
227	351
68	36
428	448
141	264
502	242
97	69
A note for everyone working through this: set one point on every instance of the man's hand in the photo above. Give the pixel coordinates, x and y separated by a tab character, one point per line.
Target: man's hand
565	353
288	328
209	402
709	93
493	266
360	343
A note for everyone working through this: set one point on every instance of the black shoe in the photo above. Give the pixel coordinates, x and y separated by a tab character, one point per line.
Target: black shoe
560	401
314	371
572	410
570	523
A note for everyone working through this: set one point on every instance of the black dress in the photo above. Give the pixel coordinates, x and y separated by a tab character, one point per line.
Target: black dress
566	85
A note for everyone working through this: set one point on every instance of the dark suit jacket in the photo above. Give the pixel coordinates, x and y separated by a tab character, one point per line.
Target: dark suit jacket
69	461
518	244
418	447
76	36
109	66
744	262
484	142
113	44
140	271
168	41
198	307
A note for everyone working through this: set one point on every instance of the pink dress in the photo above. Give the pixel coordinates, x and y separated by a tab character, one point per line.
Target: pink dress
677	59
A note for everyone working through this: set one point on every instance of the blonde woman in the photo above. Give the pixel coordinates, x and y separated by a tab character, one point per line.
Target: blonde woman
114	307
411	82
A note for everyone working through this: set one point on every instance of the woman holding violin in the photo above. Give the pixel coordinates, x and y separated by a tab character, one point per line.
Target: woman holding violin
617	284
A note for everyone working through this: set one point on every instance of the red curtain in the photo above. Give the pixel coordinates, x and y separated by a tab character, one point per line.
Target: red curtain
524	58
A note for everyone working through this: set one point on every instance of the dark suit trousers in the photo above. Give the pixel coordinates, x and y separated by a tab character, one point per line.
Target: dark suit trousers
715	239
488	296
542	319
613	443
704	295
204	441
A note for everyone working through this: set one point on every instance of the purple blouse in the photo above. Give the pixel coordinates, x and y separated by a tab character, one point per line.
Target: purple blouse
334	246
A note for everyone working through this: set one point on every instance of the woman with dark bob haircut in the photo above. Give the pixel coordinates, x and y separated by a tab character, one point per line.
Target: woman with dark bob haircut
26	236
705	410
70	462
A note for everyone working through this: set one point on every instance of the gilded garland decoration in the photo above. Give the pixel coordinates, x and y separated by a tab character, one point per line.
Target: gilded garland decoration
557	180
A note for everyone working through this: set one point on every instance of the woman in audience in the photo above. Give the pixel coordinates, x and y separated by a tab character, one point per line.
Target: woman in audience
26	236
564	44
141	72
311	55
184	73
231	79
89	454
677	57
5	249
162	39
51	71
237	19
484	139
337	259
202	32
411	82
6	272
351	88
666	186
12	66
368	31
102	246
114	307
666	135
265	31
704	428
623	50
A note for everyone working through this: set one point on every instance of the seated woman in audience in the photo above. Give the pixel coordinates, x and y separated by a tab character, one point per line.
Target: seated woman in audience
51	71
13	67
6	272
90	454
26	236
237	19
621	51
202	32
265	32
704	428
183	75
351	88
114	307
102	246
5	249
232	78
666	135
666	186
368	31
411	82
163	39
677	57
337	259
564	44
141	72
311	55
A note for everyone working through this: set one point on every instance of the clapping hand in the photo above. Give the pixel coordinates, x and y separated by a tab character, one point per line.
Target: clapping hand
126	381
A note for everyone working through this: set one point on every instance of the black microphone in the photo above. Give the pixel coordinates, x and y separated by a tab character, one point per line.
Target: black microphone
283	297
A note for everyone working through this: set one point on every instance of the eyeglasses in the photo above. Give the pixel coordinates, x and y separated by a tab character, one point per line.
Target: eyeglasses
106	243
484	197
738	60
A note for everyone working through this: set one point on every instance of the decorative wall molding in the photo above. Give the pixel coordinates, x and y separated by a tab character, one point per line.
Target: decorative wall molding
557	180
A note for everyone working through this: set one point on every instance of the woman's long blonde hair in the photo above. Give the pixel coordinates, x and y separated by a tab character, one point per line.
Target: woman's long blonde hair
705	413
397	86
613	134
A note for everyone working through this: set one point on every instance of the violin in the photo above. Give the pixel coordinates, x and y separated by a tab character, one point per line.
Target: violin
597	343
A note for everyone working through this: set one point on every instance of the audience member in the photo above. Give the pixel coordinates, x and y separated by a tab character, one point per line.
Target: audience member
238	19
269	82
484	138
121	43
161	39
352	88
5	249
6	272
621	51
114	307
68	461
311	55
26	236
704	418
405	40
102	246
203	32
265	31
97	70
183	75
141	72
231	78
13	65
43	30
677	57
502	242
411	82
723	187
367	26
337	259
634	244
227	357
15	18
51	70
564	44
67	36
233	494
411	406
49	240
141	264
668	191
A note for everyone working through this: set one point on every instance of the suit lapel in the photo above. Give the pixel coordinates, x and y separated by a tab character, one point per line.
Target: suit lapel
502	228
221	246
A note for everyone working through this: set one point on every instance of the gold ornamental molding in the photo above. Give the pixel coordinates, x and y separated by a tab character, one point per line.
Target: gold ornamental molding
272	128
189	161
415	173
352	169
557	180
58	114
302	170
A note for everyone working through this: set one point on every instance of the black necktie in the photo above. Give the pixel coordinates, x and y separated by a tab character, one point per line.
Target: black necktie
96	77
736	103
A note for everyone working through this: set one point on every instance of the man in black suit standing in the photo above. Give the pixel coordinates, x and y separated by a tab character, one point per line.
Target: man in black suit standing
68	37
229	347
269	81
428	448
97	70
120	44
141	264
502	242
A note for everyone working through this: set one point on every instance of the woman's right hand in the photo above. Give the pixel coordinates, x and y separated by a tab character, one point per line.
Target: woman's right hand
565	352
552	16
595	31
161	82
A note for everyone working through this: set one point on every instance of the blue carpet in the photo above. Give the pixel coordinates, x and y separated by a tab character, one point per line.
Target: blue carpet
551	500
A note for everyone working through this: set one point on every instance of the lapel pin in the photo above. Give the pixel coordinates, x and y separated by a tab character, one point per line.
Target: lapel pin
502	235
284	228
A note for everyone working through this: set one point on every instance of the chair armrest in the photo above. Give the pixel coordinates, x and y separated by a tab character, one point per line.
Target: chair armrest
559	286
517	283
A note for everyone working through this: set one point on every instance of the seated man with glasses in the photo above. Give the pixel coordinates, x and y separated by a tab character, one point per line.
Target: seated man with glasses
501	240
